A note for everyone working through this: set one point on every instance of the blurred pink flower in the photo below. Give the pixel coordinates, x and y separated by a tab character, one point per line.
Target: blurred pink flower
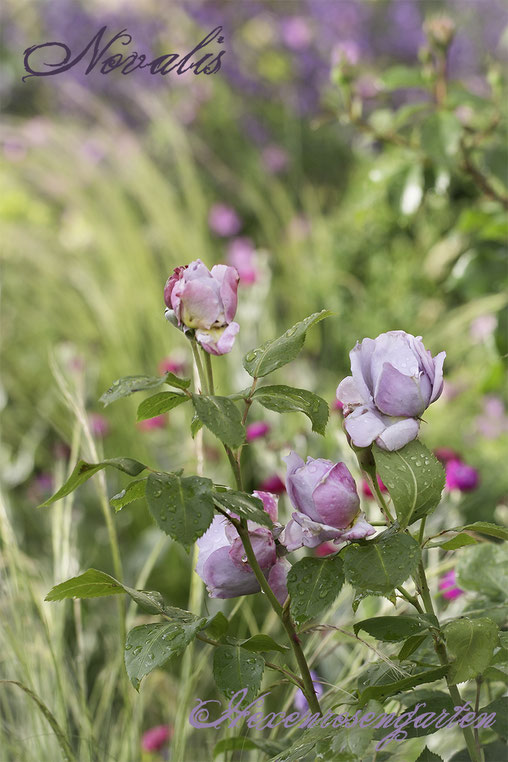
337	405
99	425
366	490
223	220
296	33
448	586
155	738
157	422
346	51
461	476
275	159
273	484
256	430
494	421
444	454
242	256
170	365
482	327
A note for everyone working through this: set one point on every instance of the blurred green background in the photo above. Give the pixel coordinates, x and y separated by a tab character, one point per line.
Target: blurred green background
345	180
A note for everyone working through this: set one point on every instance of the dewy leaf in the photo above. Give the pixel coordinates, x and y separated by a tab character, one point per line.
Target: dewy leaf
484	569
313	584
391	628
287	399
459	541
160	403
380	692
246	506
181	506
414	478
127	385
151	645
216	625
97	584
83	471
180	383
485	527
278	352
133	491
471	643
260	643
234	668
222	417
379	566
428	756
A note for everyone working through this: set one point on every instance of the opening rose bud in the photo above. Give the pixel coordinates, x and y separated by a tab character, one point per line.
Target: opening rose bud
204	301
394	379
326	501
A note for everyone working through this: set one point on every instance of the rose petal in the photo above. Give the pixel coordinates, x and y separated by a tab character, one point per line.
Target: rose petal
398	434
363	426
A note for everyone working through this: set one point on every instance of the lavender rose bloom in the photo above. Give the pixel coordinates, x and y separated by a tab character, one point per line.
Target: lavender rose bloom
394	379
326	501
223	565
205	301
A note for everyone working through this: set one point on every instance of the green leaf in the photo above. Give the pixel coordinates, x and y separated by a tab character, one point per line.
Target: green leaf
246	506
397	77
278	352
179	383
500	707
83	471
471	643
97	584
381	692
234	668
428	756
181	506
485	527
196	425
414	478
492	752
216	625
222	417
435	701
484	569
133	491
242	743
379	566
160	403
459	541
411	645
391	628
151	645
286	399
440	137
313	584
260	643
127	385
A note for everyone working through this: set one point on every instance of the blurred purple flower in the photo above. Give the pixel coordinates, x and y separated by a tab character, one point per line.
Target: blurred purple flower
275	159
242	255
155	738
448	586
326	501
296	32
157	422
273	484
99	425
256	430
300	702
493	422
394	379
482	327
171	365
346	51
461	476
223	220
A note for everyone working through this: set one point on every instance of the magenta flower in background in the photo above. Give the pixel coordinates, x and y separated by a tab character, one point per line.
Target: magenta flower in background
273	484
205	301
99	425
448	586
394	379
157	422
223	565
170	365
223	220
326	501
300	702
155	738
461	476
296	33
366	490
444	454
275	159
242	256
256	430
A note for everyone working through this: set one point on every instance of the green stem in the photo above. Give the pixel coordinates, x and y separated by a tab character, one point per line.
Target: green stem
199	366
411	598
422	531
440	648
209	371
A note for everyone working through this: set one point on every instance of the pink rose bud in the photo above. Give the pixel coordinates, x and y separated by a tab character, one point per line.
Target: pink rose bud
326	501
204	301
99	425
223	220
257	430
448	586
242	256
155	738
273	484
394	380
223	565
157	422
366	490
461	476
